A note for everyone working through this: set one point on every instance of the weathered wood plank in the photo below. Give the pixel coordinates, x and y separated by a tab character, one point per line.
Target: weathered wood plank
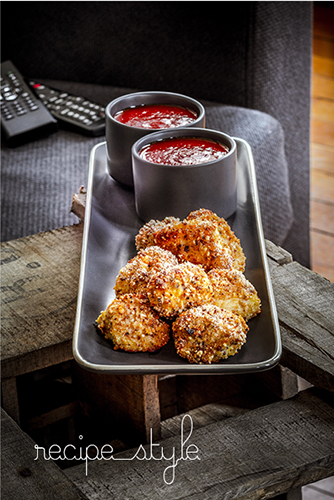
305	305
24	477
277	254
257	455
200	417
39	293
78	206
308	362
9	398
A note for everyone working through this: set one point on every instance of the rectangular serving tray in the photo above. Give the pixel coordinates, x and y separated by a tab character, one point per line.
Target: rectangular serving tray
110	228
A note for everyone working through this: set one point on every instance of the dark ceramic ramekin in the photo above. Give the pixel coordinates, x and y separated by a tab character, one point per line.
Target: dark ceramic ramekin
120	137
168	190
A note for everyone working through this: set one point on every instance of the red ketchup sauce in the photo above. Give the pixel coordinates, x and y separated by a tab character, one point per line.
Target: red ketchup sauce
183	151
156	116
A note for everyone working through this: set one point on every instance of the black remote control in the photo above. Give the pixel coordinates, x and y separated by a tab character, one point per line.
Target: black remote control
23	116
73	112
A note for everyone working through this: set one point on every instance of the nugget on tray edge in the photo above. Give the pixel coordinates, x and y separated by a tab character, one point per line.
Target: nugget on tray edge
232	291
207	334
133	325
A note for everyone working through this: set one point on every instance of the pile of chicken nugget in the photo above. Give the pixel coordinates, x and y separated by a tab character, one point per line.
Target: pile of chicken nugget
187	283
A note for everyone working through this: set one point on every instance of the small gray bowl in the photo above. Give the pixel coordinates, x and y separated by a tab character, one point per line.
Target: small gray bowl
168	190
120	137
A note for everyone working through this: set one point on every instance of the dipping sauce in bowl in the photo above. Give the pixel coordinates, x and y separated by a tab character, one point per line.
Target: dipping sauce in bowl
156	116
133	116
176	171
183	151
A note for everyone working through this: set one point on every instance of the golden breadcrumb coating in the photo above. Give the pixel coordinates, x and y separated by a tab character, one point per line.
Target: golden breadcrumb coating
196	242
202	238
178	288
207	334
146	235
133	325
226	235
134	277
232	291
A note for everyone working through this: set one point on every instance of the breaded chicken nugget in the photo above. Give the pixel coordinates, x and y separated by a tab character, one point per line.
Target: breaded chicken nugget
206	334
146	235
195	241
178	288
133	325
203	238
134	277
189	241
227	238
232	291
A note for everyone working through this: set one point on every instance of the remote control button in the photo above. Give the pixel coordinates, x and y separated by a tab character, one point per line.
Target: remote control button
10	97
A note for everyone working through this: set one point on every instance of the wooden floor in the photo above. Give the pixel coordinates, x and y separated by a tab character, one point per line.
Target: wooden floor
322	142
322	171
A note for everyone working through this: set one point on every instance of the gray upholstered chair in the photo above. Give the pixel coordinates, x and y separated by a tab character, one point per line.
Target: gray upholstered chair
248	62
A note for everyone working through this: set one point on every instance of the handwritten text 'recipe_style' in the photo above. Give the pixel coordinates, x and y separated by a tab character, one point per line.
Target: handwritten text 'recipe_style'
152	451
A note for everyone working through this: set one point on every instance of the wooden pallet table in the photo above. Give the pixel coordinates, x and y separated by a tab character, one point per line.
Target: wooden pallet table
24	477
39	289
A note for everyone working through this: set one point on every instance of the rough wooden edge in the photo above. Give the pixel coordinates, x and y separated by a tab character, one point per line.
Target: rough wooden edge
37	360
278	254
302	325
306	361
78	206
25	477
10	401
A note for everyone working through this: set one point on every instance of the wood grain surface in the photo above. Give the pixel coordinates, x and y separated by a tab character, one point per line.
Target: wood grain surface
24	477
40	276
305	309
258	454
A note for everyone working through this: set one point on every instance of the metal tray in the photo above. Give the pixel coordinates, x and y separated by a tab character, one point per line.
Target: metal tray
110	227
